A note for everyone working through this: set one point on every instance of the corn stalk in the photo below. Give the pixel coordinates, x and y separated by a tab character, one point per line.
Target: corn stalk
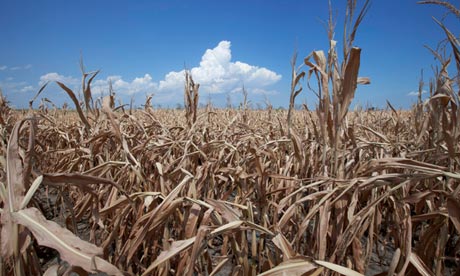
191	96
337	82
296	87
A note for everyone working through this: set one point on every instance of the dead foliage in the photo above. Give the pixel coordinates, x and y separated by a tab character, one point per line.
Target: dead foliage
219	192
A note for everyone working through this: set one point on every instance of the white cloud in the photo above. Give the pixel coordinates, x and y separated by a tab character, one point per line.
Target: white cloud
143	84
3	67
173	80
28	66
218	74
27	88
50	77
415	93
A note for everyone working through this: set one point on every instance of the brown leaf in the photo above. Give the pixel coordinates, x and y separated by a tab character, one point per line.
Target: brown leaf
175	248
79	180
324	215
198	245
107	109
296	267
283	244
364	80
16	188
340	269
71	248
453	207
192	221
77	105
421	267
227	227
350	80
394	262
87	92
14	168
141	227
228	213
219	266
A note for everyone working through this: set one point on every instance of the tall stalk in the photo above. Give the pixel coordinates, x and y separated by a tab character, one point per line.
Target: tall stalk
296	87
191	96
337	82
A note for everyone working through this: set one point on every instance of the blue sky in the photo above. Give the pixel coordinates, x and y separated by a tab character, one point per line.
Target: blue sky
143	46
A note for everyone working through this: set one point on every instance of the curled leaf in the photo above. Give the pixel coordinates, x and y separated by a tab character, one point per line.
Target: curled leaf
71	248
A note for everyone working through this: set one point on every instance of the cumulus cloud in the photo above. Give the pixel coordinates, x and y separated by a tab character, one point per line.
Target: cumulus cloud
143	84
50	77
218	74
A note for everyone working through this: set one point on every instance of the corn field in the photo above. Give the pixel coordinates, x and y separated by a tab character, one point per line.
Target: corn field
109	190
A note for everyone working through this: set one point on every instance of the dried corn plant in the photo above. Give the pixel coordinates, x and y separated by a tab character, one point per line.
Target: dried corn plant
5	110
296	87
153	192
157	198
449	6
191	97
337	83
244	106
86	86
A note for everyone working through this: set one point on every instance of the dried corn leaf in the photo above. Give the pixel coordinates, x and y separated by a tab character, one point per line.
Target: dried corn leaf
77	105
453	207
297	267
350	80
71	248
175	248
421	267
338	268
283	244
